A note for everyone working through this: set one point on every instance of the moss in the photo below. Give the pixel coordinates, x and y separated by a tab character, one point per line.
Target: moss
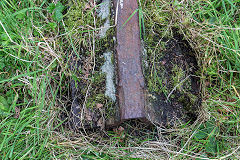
169	59
178	77
193	98
80	23
156	28
106	43
79	18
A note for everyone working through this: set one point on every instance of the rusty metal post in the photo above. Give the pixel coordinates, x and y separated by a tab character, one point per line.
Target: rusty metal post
130	76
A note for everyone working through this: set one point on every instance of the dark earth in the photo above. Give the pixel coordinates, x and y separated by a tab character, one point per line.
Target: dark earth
180	100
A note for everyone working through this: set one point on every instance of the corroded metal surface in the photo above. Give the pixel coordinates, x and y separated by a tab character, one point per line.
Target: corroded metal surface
130	76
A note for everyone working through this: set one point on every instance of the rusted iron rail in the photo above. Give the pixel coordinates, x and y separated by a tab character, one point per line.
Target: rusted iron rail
130	76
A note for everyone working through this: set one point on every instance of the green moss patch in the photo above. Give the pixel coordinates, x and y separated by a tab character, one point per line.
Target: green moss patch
174	84
91	107
171	72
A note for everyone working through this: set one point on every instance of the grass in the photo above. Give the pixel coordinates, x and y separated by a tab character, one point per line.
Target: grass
29	65
38	37
208	26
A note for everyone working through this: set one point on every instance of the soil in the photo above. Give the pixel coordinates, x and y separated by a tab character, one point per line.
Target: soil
179	99
80	115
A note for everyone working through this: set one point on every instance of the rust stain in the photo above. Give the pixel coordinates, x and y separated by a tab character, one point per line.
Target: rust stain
130	76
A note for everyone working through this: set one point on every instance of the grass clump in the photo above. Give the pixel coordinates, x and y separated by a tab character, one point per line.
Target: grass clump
28	68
